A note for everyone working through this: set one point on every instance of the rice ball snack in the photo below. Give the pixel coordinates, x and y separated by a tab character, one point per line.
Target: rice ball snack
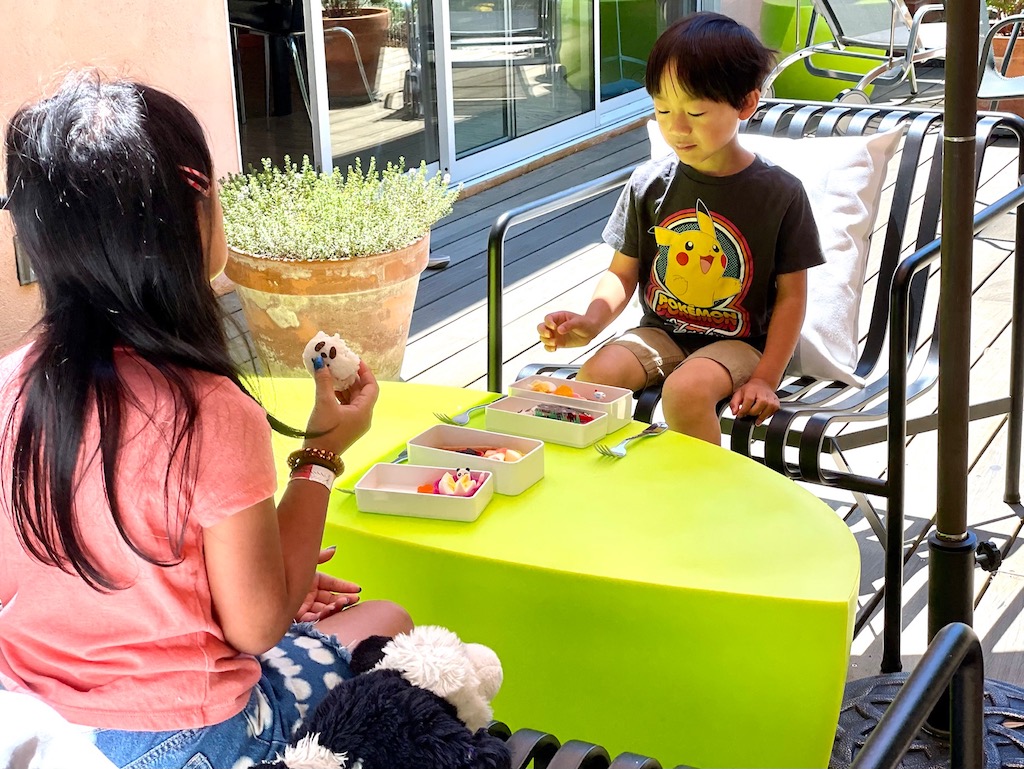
336	355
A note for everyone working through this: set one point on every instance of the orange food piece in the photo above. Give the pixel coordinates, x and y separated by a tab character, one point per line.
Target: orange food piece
426	488
564	390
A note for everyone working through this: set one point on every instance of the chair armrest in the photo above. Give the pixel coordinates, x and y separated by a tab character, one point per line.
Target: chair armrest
496	254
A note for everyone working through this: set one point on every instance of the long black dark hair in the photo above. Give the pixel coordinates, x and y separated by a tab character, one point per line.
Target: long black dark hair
712	56
108	219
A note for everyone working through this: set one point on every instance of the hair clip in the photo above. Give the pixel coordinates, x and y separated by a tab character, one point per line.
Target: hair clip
196	179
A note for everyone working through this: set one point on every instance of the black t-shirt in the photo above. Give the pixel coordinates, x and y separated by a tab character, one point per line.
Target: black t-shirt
710	247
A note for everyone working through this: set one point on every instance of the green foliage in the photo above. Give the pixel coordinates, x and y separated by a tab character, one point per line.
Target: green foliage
1006	7
299	213
346	6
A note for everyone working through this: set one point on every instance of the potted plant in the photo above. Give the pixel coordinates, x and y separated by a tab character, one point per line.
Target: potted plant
312	251
368	25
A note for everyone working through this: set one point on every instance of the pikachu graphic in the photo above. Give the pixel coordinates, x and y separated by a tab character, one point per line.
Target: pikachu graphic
695	272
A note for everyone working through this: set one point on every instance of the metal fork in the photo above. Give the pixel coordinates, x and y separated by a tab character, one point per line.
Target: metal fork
463	418
619	450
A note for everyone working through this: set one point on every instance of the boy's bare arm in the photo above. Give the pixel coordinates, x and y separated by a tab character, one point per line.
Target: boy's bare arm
757	397
612	294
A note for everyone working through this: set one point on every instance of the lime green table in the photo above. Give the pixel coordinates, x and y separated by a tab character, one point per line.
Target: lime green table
683	602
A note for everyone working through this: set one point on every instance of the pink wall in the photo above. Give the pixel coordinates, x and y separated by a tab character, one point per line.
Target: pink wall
181	47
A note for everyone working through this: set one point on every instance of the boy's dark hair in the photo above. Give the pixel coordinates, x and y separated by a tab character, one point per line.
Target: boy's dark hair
712	56
109	219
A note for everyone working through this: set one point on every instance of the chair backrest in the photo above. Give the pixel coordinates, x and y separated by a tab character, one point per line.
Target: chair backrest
903	233
851	20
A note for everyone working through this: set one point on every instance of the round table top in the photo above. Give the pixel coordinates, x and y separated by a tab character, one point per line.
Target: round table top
675	512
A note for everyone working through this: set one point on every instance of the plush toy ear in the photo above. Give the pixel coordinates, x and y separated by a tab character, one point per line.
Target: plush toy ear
308	753
431	657
368	653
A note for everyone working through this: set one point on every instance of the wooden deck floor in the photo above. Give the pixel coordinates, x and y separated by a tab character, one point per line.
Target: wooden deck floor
553	263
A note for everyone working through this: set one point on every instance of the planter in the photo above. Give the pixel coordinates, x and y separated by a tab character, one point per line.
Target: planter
368	300
1015	69
369	26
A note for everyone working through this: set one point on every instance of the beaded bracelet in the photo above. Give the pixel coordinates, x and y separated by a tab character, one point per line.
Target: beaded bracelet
314	456
315	473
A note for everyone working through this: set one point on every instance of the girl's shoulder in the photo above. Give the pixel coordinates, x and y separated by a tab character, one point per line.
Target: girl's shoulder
214	393
13	364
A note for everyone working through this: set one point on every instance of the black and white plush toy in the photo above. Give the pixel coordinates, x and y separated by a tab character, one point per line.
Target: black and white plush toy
420	700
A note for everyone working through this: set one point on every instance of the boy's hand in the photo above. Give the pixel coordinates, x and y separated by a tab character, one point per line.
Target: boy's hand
565	329
754	399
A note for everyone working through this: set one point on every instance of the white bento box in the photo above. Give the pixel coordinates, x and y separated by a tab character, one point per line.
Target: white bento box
435	447
391	489
617	403
504	416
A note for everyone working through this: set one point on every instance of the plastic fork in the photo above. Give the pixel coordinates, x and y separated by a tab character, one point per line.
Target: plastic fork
619	449
462	419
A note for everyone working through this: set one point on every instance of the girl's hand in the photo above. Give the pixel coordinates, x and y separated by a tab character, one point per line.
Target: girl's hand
342	417
328	595
755	399
565	329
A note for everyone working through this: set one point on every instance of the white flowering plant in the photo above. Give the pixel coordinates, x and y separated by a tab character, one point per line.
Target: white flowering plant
296	213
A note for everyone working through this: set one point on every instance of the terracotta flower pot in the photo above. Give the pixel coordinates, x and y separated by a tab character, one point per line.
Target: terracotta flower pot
1015	69
369	27
368	300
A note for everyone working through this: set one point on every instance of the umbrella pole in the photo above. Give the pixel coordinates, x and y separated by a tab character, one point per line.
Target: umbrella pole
951	557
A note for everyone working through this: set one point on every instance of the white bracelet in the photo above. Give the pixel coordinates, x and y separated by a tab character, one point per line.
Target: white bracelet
314	473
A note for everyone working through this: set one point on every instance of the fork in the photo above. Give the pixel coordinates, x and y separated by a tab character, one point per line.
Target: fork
619	450
463	418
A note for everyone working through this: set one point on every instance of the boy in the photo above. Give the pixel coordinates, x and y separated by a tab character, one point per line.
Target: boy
717	240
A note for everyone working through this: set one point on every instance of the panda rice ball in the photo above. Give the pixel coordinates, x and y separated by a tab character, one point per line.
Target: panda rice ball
336	355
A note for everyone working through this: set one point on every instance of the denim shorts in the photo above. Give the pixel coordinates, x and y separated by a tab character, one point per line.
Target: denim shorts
297	674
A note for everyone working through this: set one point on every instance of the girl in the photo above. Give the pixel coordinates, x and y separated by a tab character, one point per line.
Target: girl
148	582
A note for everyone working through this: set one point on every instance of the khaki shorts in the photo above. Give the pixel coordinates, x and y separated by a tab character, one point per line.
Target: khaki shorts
660	355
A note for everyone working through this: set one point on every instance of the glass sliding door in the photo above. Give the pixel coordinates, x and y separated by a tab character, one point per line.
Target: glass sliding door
517	66
628	31
379	83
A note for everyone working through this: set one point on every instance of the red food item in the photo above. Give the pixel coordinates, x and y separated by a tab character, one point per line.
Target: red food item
426	488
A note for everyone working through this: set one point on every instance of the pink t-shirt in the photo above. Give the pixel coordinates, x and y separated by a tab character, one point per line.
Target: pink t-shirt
151	656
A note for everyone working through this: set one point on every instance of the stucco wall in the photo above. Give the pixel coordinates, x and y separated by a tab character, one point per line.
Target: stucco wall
181	47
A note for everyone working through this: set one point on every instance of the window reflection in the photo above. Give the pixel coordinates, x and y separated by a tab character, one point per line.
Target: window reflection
518	66
628	31
381	100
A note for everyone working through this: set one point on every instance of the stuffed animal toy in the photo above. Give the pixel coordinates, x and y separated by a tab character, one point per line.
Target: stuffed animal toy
420	700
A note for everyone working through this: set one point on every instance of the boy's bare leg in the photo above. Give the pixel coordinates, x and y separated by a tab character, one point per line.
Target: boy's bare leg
366	619
616	366
691	395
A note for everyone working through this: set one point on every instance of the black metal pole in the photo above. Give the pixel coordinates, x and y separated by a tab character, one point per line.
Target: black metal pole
1011	494
951	556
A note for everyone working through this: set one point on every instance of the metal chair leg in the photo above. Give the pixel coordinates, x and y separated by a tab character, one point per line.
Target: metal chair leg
868	509
359	61
300	72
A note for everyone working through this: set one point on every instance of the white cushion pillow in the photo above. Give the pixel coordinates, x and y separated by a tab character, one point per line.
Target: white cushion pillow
843	177
35	736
